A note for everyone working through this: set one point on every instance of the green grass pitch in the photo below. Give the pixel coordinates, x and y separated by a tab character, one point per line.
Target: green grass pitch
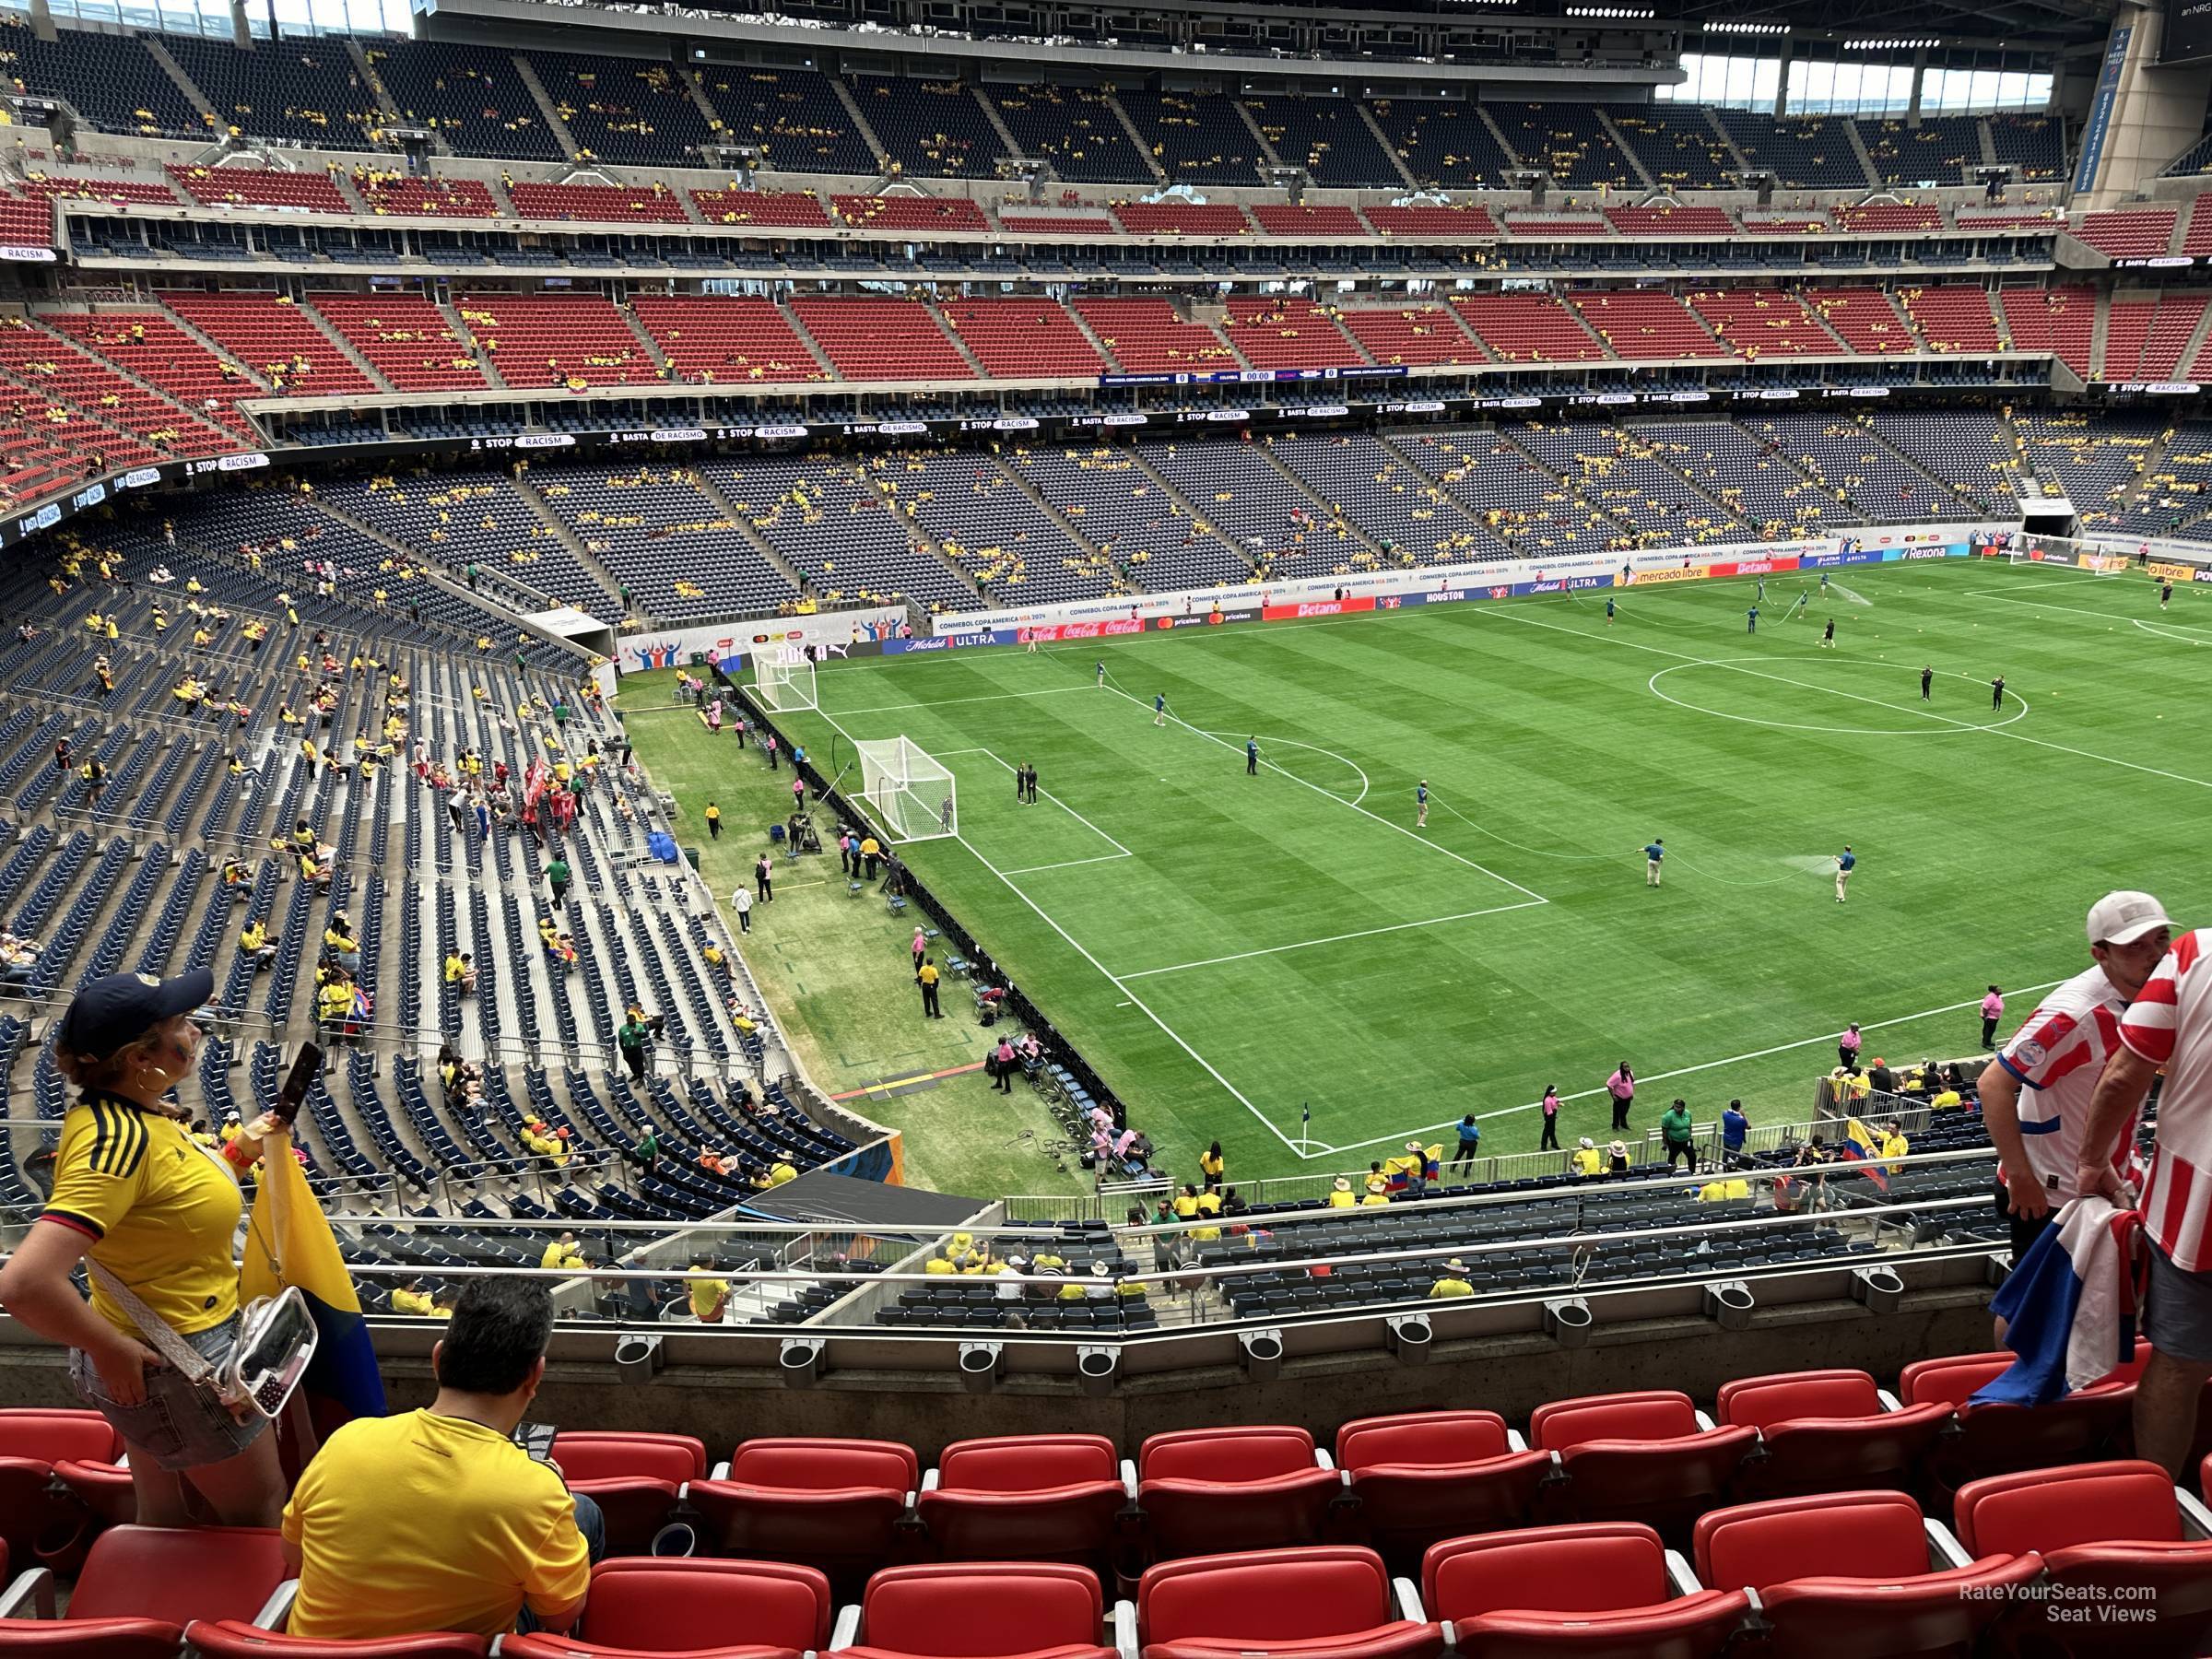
1232	949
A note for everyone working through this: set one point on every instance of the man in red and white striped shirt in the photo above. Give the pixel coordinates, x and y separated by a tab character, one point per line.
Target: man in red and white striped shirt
2168	1026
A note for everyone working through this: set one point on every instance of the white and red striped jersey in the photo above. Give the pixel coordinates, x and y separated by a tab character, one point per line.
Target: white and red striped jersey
2170	1025
2057	1057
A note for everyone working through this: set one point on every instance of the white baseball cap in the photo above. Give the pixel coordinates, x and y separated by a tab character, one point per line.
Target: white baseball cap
2123	918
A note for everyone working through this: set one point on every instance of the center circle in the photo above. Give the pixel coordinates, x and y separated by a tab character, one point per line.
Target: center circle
1912	719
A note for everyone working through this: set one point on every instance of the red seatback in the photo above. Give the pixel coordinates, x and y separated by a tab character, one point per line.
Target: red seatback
1951	1379
848	1532
595	1455
1755	1401
823	1466
983	1610
1075	1524
1864	1535
104	1488
1429	1439
1930	1615
178	1574
1692	1627
51	1437
1027	1462
1252	1452
1652	1414
234	1638
2046	1510
1263	1595
1592	1567
671	1606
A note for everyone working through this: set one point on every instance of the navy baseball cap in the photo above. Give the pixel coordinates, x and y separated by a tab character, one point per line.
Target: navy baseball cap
122	1007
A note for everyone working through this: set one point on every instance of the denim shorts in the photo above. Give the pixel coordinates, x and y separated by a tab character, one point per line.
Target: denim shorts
178	1424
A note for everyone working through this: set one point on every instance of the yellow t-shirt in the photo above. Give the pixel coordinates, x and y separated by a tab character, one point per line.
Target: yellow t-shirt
560	1256
707	1297
1342	1201
161	1211
417	1303
782	1173
1586	1160
1450	1287
1944	1101
426	1523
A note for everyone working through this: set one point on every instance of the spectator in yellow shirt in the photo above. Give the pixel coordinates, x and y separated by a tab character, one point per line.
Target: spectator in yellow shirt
1453	1281
1587	1160
1340	1195
1895	1144
563	1253
436	1520
709	1296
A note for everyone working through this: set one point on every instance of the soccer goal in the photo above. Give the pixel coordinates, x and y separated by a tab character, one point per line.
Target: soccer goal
916	798
785	679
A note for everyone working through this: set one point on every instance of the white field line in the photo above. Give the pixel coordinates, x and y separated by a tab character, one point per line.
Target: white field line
1120	851
1705	1065
1365	933
945	703
1134	1000
1176	718
1782	680
1069	864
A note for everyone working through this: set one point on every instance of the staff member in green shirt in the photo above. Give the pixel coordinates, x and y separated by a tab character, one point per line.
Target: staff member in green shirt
1674	1132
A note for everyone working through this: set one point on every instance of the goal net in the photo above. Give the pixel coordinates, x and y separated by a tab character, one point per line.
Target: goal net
915	797
785	679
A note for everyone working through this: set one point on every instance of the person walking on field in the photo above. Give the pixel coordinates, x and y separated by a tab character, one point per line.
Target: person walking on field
1993	1010
713	821
1160	708
1621	1085
1251	757
1927	677
742	902
926	977
1848	1046
1550	1143
1653	856
1997	692
1846	862
1828	636
1420	805
764	879
921	946
1470	1143
1676	1133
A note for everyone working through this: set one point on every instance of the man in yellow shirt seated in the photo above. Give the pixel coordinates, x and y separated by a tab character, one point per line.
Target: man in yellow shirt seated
563	1253
1587	1160
411	1298
1453	1281
1378	1190
254	940
1716	1192
436	1520
1340	1194
459	973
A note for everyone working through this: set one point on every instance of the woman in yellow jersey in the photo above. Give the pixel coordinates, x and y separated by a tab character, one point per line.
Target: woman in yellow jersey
134	1191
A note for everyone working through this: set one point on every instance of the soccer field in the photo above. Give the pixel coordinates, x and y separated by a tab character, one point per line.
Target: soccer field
1232	951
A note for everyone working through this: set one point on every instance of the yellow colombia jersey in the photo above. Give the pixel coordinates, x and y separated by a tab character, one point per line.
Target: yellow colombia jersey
161	1209
426	1523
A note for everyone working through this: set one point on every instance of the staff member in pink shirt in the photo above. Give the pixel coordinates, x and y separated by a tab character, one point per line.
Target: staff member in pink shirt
1993	1010
1621	1085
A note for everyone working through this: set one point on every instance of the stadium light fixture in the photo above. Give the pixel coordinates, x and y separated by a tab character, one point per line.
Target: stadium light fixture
1627	14
1738	25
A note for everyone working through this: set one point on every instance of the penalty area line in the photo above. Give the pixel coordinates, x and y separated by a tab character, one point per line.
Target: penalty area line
1365	933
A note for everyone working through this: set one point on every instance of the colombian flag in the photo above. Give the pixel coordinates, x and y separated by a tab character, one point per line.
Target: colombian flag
342	1381
1859	1145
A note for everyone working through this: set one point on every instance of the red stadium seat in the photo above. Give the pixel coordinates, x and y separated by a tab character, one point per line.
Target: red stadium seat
2111	1535
1825	1430
701	1608
34	1519
835	1504
1850	1573
1333	1601
1998	1440
233	1639
141	1585
1639	1457
1254	1488
1026	1498
634	1478
1426	1476
979	1610
105	1489
1596	1589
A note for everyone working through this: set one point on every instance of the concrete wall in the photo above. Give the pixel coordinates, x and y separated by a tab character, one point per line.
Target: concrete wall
2156	113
